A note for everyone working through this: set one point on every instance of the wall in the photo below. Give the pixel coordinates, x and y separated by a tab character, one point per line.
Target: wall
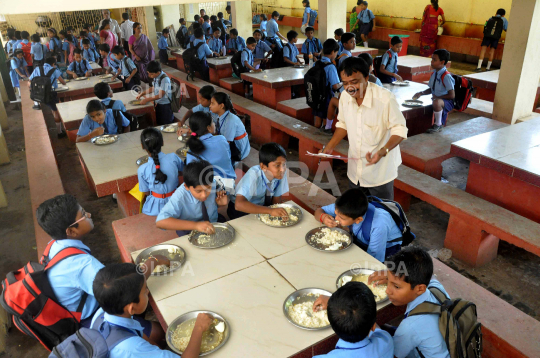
170	14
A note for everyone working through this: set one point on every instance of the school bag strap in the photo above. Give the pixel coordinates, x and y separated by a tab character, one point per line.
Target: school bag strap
368	222
111	104
442	78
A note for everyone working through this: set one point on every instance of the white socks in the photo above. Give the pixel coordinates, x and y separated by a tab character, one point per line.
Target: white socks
438	118
480	63
489	65
59	127
329	124
365	44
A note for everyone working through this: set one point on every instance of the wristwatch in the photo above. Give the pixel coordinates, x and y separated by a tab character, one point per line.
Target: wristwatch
386	151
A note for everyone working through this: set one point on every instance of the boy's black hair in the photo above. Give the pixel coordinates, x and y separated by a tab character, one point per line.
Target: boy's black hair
216	29
196	17
25	35
10	33
101	90
213	18
125	16
18	35
251	40
257	31
94	105
352	311
196	26
77	51
199	33
501	12
57	214
153	67
443	55
413	264
62	32
82	33
353	203
86	42
354	64
228	7
366	57
339	32
116	286
70	38
220	15
199	172
206	18
118	50
234	32
105	48
181	20
51	60
346	37
309	28
274	14
291	35
35	38
270	152
365	3
396	40
165	31
207	92
330	46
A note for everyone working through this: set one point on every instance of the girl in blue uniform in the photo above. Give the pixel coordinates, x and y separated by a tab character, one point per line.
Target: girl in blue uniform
230	126
18	68
158	178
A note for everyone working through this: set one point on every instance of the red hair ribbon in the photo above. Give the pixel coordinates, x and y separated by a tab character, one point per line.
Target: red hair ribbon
157	166
194	134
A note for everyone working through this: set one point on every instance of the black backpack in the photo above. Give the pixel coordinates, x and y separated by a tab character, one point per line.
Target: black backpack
316	86
237	65
174	96
277	55
133	120
181	37
137	77
377	62
191	60
41	86
494	28
463	89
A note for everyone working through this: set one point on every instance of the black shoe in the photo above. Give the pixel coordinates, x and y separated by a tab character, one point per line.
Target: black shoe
61	135
327	132
434	129
36	107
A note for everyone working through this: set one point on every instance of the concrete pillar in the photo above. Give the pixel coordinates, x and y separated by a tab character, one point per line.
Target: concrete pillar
518	79
151	28
3	92
3	115
332	15
4	153
241	16
3	204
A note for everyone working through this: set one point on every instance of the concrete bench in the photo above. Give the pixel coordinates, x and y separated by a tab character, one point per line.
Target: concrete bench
475	226
232	84
297	108
43	175
426	152
480	107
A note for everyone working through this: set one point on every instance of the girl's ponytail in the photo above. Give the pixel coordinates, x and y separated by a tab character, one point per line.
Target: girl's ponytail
229	106
198	122
152	141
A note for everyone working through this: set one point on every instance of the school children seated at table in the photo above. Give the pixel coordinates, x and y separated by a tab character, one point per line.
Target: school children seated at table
352	312
204	98
263	185
79	67
85	35
262	50
158	178
373	229
215	43
162	93
127	71
109	61
441	87
312	46
388	70
105	94
163	46
99	120
348	41
369	60
290	51
122	293
202	52
88	52
194	205
236	43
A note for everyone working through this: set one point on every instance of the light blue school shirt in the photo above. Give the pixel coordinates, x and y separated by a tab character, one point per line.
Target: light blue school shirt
311	46
164	86
11	45
378	344
254	184
272	28
89	54
65	46
505	22
383	230
236	44
46	68
365	16
80	68
20	43
262	26
215	44
290	51
16	63
183	30
390	63
218	153
17	43
132	347
332	77
438	87
113	62
162	43
247	55
206	28
89	38
341	48
347	54
378	82
421	331
38	50
118	104
230	126
170	164
88	125
261	49
73	276
200	108
307	12
192	38
184	206
203	51
124	69
54	42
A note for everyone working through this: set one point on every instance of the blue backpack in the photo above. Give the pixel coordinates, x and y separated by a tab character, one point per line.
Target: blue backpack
396	212
312	17
92	343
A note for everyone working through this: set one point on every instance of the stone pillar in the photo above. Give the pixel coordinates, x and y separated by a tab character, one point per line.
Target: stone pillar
241	16
3	115
518	79
151	28
3	320
332	15
3	92
4	153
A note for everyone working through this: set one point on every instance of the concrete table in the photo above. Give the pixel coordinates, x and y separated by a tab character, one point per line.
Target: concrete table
486	85
273	86
112	168
505	168
73	112
357	51
220	67
96	69
84	89
179	60
416	68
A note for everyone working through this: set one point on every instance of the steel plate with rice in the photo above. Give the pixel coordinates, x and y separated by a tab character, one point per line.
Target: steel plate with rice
105	139
142	160
80	78
401	83
180	330
169	128
298	309
412	103
224	236
182	152
294	212
329	239
106	76
361	275
174	253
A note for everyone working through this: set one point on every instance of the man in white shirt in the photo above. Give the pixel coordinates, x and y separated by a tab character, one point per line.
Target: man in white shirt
370	117
115	28
126	29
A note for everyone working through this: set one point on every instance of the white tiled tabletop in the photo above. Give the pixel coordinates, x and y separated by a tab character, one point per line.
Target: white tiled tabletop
89	83
278	75
219	61
414	61
404	93
94	66
488	76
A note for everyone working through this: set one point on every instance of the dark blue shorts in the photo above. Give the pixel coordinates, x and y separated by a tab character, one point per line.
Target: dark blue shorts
365	29
163	56
490	42
53	102
164	114
448	107
147	325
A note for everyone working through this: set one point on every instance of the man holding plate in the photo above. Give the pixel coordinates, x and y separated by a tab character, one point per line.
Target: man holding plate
370	117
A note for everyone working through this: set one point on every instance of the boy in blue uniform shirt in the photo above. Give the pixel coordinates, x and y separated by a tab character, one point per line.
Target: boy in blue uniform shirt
127	69
312	46
350	211
263	185
262	50
491	42
194	205
409	277
441	86
248	62
99	120
85	36
38	51
104	92
207	28
215	43
110	63
369	60
122	293
204	98
366	22
161	90
202	52
163	46
337	36
273	36
352	312
290	51
79	67
235	43
389	64
348	40
18	39
88	52
10	46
